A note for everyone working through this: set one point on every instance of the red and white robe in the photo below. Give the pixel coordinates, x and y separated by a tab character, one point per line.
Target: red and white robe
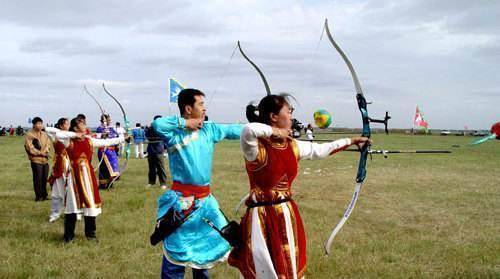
273	237
84	196
60	178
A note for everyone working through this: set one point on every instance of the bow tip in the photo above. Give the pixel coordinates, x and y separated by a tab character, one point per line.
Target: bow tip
327	250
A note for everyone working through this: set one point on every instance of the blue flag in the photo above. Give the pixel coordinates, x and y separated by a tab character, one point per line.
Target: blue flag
174	89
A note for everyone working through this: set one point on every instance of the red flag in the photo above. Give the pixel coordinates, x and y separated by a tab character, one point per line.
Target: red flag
418	121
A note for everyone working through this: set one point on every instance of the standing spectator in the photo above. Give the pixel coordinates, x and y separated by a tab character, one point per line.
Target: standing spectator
19	131
11	130
309	133
37	145
139	138
121	132
156	163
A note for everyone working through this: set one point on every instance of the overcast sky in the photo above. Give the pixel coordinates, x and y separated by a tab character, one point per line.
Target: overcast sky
442	55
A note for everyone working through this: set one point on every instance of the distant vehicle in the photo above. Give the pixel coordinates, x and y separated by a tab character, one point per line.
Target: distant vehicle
479	134
445	133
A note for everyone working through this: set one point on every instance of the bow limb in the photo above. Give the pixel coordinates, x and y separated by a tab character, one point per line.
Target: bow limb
116	100
268	90
361	173
94	98
127	129
103	112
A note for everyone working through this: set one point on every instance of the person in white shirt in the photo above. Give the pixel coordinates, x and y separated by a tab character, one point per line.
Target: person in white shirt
309	133
121	132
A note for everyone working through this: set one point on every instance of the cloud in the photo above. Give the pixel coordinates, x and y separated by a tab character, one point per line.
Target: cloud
455	16
14	71
67	47
490	50
60	14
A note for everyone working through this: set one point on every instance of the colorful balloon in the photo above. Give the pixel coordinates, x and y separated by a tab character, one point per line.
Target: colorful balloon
322	118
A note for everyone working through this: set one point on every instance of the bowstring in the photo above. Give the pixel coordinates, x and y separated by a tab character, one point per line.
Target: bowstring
221	77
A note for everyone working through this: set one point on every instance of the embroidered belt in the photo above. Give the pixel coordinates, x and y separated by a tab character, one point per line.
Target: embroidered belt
267	203
191	190
107	148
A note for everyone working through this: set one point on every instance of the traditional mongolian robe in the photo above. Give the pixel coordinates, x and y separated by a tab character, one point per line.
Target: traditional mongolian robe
109	168
84	195
273	238
60	178
194	243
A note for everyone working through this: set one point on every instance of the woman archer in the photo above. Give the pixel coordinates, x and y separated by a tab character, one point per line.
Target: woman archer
60	178
109	168
83	196
273	241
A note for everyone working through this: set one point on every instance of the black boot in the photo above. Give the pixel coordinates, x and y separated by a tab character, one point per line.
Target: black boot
90	227
69	227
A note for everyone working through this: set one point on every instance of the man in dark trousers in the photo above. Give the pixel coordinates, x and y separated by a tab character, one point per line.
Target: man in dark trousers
37	145
156	162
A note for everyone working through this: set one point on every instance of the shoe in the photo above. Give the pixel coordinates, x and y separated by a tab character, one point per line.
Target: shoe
68	239
163	187
149	185
53	218
93	239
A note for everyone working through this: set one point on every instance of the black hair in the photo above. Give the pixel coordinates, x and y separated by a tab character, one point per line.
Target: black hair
156	117
81	116
186	98
269	104
137	124
104	117
36	120
74	123
60	122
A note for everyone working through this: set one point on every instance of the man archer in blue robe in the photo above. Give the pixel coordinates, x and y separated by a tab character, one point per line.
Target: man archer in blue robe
190	143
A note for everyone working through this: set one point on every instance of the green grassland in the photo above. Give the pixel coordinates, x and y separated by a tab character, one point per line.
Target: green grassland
418	216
